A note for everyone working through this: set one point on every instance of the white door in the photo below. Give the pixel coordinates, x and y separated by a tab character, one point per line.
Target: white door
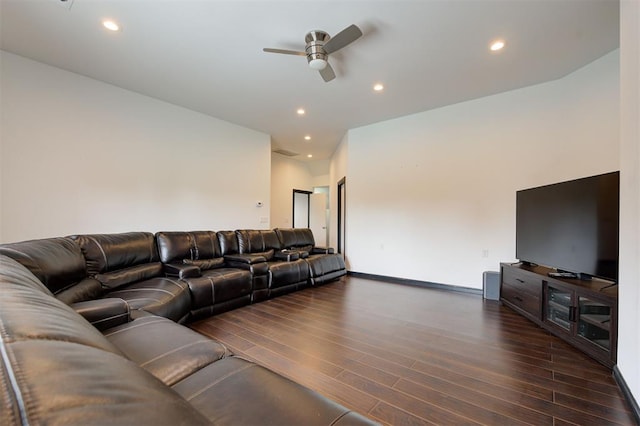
300	209
318	218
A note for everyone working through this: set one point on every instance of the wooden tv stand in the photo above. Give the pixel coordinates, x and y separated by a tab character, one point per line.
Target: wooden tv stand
582	312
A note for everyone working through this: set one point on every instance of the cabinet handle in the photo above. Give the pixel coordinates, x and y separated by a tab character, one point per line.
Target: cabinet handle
519	280
518	298
573	313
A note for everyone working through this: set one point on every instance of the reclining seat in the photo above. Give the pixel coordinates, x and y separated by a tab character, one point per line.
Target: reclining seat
195	257
253	263
287	271
59	265
128	267
58	369
324	264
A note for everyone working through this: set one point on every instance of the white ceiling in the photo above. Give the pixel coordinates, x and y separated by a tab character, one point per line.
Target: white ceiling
207	55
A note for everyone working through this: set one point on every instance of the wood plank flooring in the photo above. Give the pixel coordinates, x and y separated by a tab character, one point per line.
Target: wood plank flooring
405	355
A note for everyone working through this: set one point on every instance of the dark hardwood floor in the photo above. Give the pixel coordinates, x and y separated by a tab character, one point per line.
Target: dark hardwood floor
405	355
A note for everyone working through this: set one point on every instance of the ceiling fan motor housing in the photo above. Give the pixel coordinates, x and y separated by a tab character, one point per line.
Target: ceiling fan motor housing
316	55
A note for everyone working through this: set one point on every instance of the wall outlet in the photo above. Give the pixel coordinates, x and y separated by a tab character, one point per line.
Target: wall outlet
485	253
264	219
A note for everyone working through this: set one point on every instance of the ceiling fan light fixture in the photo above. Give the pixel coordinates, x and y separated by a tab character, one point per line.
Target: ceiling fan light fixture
318	46
318	64
111	25
496	45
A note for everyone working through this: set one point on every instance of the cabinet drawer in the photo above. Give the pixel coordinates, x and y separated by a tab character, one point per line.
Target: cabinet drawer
523	281
524	300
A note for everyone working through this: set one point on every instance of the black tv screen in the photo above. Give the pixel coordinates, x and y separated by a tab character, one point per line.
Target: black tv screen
572	226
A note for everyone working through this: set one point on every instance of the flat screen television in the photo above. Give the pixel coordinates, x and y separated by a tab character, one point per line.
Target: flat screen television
571	226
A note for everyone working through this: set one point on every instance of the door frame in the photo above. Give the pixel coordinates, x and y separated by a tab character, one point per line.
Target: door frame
342	213
293	205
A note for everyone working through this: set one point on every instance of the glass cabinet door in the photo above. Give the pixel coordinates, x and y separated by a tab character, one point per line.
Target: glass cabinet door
559	307
594	322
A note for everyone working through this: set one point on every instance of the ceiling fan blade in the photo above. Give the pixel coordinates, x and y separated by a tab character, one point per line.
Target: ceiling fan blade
343	38
284	51
327	73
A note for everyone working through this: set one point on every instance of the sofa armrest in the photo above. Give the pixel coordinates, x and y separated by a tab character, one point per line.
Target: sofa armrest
181	270
302	253
256	269
248	259
286	255
104	313
322	250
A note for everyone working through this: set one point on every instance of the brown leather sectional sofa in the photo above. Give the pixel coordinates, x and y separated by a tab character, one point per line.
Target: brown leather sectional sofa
90	329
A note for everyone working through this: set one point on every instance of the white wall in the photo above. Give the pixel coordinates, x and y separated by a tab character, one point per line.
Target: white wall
337	171
629	292
80	156
287	174
429	194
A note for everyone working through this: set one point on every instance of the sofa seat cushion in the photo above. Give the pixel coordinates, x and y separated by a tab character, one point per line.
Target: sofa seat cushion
63	383
121	277
267	398
85	290
205	264
288	273
167	350
165	297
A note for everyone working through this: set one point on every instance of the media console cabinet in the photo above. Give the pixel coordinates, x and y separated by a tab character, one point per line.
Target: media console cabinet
582	312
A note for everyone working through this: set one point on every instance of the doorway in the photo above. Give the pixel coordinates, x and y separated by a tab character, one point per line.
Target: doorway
301	208
320	215
310	210
342	215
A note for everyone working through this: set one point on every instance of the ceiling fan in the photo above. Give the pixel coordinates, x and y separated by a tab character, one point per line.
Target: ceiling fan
318	47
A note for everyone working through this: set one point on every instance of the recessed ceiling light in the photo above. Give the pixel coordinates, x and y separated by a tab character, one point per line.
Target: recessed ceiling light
300	111
378	87
496	45
307	138
309	156
110	25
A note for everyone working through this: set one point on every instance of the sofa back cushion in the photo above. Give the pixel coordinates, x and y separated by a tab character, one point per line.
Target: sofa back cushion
228	242
173	247
298	238
205	245
200	248
56	262
257	241
111	252
119	259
